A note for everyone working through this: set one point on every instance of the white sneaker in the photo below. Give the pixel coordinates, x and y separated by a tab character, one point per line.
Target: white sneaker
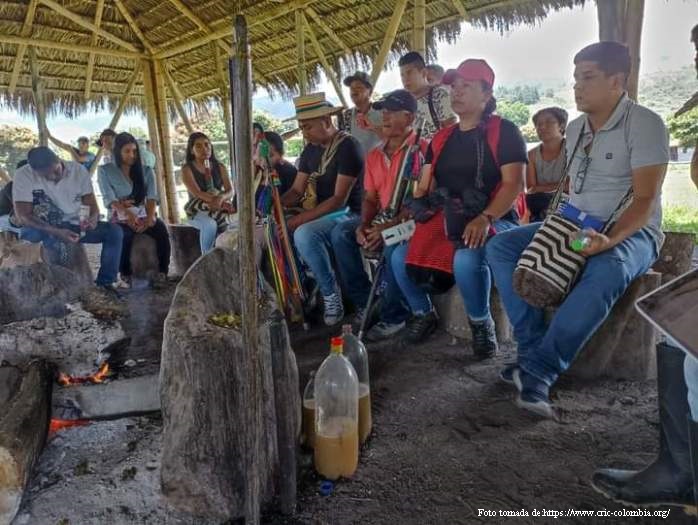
334	310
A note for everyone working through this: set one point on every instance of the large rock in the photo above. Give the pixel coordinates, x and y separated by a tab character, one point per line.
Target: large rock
675	256
204	385
75	344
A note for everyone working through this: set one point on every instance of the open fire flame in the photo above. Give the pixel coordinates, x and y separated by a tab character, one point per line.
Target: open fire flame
98	377
56	425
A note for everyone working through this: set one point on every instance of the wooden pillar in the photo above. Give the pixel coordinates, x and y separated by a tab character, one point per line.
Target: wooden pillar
241	88
39	98
177	97
300	47
225	102
391	31
419	30
621	21
163	123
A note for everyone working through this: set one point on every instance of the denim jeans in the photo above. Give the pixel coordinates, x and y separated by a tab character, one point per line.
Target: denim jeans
159	233
545	351
313	241
107	234
471	272
690	372
355	281
208	230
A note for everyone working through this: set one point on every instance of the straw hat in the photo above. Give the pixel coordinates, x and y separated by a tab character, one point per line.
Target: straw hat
314	105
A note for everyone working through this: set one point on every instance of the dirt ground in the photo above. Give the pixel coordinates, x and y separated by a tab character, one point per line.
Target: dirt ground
447	442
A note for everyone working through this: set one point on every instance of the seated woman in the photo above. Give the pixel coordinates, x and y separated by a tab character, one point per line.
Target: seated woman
129	193
546	162
209	188
461	164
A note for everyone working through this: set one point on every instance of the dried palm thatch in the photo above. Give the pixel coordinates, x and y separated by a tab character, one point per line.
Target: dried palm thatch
88	50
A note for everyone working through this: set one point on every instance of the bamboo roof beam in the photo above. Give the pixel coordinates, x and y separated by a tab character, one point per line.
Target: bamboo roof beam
133	25
77	19
390	34
117	53
329	73
458	4
188	13
26	31
328	31
177	97
91	58
302	72
39	98
224	96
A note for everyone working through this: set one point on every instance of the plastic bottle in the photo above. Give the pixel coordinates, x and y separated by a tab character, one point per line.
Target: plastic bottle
355	352
336	415
582	239
309	412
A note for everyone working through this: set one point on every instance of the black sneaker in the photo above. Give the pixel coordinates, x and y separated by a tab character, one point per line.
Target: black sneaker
484	339
420	327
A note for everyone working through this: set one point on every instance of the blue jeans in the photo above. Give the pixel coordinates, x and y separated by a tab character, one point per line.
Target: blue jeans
690	372
356	283
313	240
107	234
545	351
471	272
208	230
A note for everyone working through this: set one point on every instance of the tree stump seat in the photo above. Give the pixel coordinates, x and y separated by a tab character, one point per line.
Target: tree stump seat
144	257
186	248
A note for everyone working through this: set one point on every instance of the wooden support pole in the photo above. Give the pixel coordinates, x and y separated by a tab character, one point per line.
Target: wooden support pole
39	98
634	16
302	73
133	25
388	40
419	29
163	123
225	102
323	60
241	88
91	58
458	4
611	16
26	31
177	97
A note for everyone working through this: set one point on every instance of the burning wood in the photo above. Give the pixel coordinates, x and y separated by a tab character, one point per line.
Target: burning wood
99	376
56	425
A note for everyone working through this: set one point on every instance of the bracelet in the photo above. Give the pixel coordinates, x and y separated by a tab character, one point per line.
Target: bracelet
490	218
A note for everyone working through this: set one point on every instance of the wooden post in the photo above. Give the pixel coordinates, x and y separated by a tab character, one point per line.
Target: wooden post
39	98
163	123
177	97
419	30
225	103
388	39
611	15
300	47
241	88
325	64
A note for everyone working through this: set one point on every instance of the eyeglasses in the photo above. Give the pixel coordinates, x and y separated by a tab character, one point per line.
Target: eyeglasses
581	175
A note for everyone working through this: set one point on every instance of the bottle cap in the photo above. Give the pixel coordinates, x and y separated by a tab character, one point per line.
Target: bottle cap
577	245
326	488
336	344
346	329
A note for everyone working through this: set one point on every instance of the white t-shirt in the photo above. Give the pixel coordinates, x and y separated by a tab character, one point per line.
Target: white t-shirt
66	194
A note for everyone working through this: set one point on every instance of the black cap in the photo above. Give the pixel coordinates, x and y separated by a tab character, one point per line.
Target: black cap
41	158
106	133
361	77
398	100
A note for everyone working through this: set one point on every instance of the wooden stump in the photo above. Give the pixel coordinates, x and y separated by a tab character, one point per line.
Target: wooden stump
186	248
75	260
204	391
624	345
454	319
144	257
675	256
25	397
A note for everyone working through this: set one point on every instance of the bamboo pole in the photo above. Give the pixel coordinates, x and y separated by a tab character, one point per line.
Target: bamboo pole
302	73
241	88
388	40
91	58
77	19
177	98
633	36
133	25
611	16
21	50
458	4
19	40
198	22
39	98
333	36
323	60
225	102
163	123
419	33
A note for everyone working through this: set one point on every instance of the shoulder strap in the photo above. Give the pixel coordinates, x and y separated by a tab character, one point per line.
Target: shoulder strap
331	151
432	108
555	201
493	131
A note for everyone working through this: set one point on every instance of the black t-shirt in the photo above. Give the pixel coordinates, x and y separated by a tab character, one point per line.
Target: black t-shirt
348	160
456	167
287	174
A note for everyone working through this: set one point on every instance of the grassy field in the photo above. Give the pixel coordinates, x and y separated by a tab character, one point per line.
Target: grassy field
680	200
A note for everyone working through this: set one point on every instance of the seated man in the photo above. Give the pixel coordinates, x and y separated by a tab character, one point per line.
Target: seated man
615	146
284	169
382	166
48	194
328	183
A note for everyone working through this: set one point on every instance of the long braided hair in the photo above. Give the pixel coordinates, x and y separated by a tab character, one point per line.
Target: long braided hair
481	142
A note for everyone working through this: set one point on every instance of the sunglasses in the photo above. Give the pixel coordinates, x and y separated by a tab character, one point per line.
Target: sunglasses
581	175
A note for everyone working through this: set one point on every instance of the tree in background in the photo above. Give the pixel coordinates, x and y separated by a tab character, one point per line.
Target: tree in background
517	112
528	131
15	143
685	128
526	94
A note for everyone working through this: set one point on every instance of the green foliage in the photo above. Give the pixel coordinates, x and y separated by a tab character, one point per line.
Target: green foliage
685	127
15	142
529	133
294	147
680	219
526	94
517	112
665	91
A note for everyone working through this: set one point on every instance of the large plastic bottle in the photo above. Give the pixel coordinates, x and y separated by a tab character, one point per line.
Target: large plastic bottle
309	412
336	415
355	352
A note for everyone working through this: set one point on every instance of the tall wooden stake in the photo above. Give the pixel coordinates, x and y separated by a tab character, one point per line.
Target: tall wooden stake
241	88
39	98
163	122
154	132
300	46
419	30
388	39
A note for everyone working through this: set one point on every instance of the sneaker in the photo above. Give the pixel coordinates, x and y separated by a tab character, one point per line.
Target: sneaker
334	310
506	374
420	327
533	395
383	330
484	339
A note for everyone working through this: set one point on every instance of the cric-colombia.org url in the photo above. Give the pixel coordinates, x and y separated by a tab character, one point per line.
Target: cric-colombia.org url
573	513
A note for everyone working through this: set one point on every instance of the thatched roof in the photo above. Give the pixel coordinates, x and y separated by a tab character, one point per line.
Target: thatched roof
188	35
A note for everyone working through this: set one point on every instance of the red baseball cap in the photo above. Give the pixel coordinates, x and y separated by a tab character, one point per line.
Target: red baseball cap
470	70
